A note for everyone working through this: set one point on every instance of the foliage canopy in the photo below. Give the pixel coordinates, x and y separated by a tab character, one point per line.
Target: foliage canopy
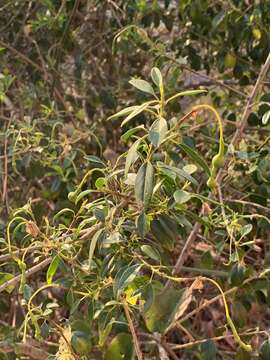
135	179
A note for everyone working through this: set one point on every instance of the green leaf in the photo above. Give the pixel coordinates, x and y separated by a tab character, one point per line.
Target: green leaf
185	93
125	276
264	353
158	131
176	171
104	332
82	195
245	230
99	214
182	221
120	348
218	19
150	252
27	292
132	131
94	160
157	77
113	238
100	183
143	86
164	229
93	244
209	350
163	310
137	111
181	196
195	157
132	155
123	112
63	211
190	168
81	343
52	269
144	183
141	224
265	118
237	274
4	277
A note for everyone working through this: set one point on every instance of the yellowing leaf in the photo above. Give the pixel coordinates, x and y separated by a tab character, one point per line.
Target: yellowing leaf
130	297
257	34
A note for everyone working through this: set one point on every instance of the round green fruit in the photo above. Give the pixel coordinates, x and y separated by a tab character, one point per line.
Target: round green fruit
229	61
80	343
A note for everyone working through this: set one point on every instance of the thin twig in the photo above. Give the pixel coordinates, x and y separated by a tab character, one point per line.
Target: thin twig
187	246
249	203
169	350
10	106
24	349
14	281
19	251
205	304
132	330
86	233
26	60
216	338
210	79
243	122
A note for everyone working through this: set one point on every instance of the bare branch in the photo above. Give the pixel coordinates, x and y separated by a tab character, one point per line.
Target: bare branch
14	281
132	330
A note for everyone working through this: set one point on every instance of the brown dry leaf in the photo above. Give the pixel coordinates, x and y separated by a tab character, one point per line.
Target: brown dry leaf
32	229
206	209
201	246
197	284
186	300
64	351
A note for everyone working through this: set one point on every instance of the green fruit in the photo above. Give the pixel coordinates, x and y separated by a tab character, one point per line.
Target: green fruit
80	343
218	161
229	61
264	353
121	348
237	274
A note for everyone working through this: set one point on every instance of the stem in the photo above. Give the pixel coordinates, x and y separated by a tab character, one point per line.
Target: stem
132	330
237	338
218	118
216	338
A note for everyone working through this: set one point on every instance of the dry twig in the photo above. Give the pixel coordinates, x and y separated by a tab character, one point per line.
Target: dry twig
14	281
132	330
